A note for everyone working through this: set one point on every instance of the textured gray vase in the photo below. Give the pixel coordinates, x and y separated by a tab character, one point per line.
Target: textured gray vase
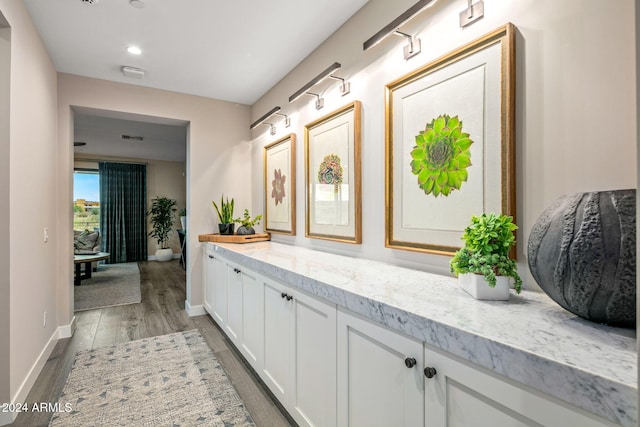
245	230
582	253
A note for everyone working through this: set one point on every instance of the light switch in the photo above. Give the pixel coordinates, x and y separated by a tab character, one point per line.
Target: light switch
46	234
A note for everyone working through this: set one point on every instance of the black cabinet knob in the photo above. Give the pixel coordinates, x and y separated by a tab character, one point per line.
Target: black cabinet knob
289	297
283	295
410	362
211	256
430	372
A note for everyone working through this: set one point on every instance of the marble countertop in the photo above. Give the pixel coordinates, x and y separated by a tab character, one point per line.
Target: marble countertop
529	339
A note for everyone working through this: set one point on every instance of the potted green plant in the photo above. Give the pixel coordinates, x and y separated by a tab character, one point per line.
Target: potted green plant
161	215
247	223
183	218
225	215
483	265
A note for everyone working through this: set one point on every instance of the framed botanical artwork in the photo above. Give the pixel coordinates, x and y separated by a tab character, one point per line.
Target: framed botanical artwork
280	186
332	165
450	144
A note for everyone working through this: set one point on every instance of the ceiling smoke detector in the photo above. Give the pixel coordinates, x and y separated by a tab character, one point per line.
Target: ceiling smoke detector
136	3
132	138
89	1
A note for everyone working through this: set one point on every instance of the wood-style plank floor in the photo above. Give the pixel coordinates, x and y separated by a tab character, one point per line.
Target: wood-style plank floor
160	312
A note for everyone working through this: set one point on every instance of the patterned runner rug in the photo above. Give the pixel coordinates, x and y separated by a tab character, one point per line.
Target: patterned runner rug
170	380
111	285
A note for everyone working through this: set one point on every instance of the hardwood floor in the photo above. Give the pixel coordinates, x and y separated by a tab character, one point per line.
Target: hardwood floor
160	312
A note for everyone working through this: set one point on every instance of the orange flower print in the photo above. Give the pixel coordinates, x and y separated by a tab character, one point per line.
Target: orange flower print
278	186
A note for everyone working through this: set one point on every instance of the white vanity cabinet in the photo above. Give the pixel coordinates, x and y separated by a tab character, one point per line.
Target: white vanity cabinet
286	335
329	366
459	394
299	353
380	379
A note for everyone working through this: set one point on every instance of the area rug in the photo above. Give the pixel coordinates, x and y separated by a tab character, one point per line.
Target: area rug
111	285
170	380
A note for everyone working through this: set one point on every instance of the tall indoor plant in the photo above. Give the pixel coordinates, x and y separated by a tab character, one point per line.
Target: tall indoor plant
225	215
483	265
161	215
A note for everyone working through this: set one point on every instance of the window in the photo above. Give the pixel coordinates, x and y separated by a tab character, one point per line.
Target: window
86	200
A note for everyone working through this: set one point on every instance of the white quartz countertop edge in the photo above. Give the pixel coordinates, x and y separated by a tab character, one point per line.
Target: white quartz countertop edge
588	365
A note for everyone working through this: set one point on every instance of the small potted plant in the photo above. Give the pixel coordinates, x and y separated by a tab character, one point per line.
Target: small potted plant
161	213
225	215
247	223
483	265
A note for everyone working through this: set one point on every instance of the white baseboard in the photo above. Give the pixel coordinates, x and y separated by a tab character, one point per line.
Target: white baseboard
153	257
24	389
32	376
196	310
67	330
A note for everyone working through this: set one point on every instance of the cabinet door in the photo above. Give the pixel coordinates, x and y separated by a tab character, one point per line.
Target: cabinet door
314	360
220	291
215	292
208	279
462	395
278	343
379	376
234	304
252	308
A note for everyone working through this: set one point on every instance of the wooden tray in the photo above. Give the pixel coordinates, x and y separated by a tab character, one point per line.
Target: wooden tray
235	238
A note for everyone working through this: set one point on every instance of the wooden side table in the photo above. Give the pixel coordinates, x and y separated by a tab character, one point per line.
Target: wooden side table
78	260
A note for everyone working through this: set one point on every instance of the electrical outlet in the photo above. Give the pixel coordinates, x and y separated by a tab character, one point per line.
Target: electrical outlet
46	234
44	320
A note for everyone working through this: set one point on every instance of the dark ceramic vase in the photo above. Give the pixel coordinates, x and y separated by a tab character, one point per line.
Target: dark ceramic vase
226	229
582	253
246	230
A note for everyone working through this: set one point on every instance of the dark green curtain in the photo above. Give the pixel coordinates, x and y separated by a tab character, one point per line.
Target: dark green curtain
123	206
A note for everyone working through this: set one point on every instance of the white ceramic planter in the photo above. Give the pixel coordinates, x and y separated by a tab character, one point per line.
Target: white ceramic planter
477	287
164	255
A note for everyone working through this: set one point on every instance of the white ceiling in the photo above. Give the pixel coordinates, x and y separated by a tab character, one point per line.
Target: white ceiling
229	50
163	139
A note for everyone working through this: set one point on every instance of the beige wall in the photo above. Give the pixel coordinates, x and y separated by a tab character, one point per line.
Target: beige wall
5	66
32	171
575	77
218	155
167	179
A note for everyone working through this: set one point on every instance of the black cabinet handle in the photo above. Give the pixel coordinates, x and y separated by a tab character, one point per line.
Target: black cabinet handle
237	270
211	256
410	362
283	295
289	297
430	372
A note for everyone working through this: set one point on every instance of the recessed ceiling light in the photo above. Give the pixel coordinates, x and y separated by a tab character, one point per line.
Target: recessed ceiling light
136	3
134	50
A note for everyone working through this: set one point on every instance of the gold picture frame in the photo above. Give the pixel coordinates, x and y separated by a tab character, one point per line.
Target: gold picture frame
279	168
333	176
449	144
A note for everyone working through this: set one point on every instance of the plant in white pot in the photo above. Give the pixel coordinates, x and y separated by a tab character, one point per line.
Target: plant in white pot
161	213
483	266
